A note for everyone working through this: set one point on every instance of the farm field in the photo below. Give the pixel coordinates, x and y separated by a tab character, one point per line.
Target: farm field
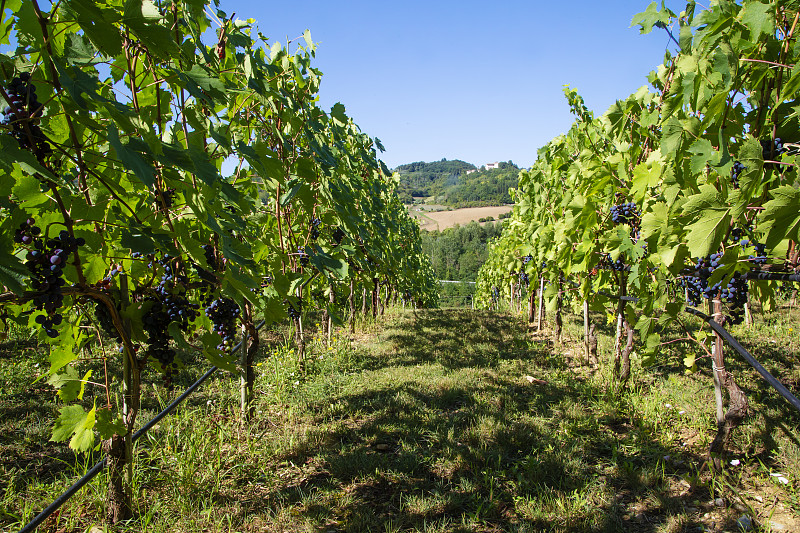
439	420
440	220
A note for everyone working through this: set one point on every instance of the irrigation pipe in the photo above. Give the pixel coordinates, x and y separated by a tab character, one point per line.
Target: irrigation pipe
769	378
98	467
777	385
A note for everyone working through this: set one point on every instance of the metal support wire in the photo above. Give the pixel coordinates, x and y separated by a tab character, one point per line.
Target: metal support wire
777	385
98	467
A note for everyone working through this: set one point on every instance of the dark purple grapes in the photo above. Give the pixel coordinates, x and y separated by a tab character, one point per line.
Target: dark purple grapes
736	171
303	256
338	236
165	198
624	213
23	114
315	224
772	151
45	263
223	313
168	305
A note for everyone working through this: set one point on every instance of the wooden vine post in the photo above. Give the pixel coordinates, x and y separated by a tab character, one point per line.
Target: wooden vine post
540	316
119	448
351	302
622	355
329	324
559	322
586	331
737	401
531	305
249	348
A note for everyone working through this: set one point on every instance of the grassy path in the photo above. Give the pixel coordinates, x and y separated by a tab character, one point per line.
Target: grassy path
444	420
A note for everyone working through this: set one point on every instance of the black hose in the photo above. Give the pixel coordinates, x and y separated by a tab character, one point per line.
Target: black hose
98	467
777	385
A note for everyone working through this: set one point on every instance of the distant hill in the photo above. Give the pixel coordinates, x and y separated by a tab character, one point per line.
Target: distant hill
457	183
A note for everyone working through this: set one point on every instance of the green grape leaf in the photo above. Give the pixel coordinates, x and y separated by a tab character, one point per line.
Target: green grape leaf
650	17
328	264
132	159
781	216
96	22
224	361
60	356
13	274
70	386
108	424
759	19
75	424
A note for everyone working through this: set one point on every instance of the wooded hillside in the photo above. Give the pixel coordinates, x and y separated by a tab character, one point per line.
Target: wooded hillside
452	185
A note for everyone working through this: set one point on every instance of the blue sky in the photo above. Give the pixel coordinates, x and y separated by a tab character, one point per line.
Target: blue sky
471	80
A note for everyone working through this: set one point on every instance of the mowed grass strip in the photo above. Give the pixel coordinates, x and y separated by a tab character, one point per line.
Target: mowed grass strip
446	420
437	427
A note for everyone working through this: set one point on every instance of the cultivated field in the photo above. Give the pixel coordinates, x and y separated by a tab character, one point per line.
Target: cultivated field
440	220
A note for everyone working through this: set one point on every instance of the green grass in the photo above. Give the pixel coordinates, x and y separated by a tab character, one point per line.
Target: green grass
428	422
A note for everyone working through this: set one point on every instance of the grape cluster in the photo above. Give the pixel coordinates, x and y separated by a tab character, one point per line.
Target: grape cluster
315	223
105	320
45	262
168	305
295	313
25	109
211	257
527	259
698	287
736	171
760	249
223	313
771	150
523	278
618	265
338	236
624	213
304	257
165	198
495	293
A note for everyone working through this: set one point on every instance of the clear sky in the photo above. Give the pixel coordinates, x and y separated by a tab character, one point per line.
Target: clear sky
473	80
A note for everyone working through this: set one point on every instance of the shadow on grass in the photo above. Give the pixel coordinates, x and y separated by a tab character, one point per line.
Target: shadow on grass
475	448
454	338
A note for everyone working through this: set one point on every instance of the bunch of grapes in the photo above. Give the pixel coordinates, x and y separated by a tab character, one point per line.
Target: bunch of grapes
495	294
103	316
168	305
211	257
165	198
618	265
736	171
25	110
338	236
223	313
523	278
45	262
207	278
771	150
624	213
304	257
760	249
527	259
707	265
315	223
295	313
694	289
697	286
155	323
